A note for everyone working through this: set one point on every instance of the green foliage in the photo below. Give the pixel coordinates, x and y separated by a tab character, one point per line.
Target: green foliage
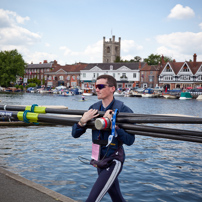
34	80
11	65
136	59
167	59
156	59
21	87
30	85
153	59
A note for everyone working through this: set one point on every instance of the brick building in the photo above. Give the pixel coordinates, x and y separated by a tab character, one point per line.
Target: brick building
52	74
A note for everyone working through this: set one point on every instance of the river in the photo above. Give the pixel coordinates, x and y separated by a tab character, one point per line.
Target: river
155	169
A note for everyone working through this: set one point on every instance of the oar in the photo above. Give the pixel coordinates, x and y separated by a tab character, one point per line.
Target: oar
40	109
196	137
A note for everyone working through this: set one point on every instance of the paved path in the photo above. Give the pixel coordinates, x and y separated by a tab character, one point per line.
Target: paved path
14	188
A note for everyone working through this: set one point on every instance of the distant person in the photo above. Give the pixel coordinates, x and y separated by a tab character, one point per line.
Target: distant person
83	98
108	159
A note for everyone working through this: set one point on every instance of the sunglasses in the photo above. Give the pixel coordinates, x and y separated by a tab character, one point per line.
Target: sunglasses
100	86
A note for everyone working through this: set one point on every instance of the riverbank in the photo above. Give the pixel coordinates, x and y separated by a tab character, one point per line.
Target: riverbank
18	189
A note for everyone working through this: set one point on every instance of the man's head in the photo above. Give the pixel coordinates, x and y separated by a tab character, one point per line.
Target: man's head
105	86
110	80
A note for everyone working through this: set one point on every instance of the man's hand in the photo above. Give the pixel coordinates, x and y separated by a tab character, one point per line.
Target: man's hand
87	116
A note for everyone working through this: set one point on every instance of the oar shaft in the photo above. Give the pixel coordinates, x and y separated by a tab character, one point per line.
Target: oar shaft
178	132
146	118
187	120
167	136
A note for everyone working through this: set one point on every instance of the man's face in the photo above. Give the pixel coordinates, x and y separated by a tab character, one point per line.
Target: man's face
105	90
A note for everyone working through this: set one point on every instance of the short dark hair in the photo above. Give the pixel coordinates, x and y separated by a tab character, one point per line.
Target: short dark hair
111	81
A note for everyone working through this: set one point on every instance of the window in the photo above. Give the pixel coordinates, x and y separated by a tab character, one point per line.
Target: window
168	69
168	78
134	75
151	78
114	75
185	78
200	78
185	68
84	75
61	77
93	75
108	49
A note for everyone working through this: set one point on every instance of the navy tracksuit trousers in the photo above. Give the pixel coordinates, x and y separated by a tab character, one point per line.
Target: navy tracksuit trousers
107	182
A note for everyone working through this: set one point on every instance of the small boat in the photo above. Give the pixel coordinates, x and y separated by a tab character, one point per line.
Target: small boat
185	96
149	93
88	91
119	93
199	97
172	94
138	92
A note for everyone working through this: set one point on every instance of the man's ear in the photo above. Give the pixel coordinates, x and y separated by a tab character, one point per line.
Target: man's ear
113	89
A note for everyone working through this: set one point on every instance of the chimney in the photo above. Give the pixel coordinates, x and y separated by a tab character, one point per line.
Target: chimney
174	60
113	38
194	57
139	65
55	62
45	61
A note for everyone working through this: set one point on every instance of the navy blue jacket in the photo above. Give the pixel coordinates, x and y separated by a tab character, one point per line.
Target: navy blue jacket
123	137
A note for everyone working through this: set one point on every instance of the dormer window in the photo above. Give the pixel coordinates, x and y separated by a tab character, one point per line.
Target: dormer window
168	69
185	68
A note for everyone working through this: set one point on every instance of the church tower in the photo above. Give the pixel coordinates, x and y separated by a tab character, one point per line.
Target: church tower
111	49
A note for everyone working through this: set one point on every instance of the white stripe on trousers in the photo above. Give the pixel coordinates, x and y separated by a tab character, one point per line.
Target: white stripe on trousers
110	180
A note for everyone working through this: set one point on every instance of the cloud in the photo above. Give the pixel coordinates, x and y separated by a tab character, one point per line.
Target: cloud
7	18
180	45
37	57
179	12
92	53
129	45
12	34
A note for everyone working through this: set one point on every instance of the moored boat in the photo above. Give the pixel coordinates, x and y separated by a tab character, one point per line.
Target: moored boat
119	93
199	97
88	92
149	93
185	96
172	94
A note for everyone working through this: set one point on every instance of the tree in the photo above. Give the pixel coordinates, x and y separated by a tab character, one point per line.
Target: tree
11	65
167	59
118	59
156	59
137	59
153	59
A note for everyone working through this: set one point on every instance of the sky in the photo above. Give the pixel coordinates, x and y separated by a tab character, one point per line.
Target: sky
72	31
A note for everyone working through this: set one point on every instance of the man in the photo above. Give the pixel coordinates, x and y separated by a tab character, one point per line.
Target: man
109	159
